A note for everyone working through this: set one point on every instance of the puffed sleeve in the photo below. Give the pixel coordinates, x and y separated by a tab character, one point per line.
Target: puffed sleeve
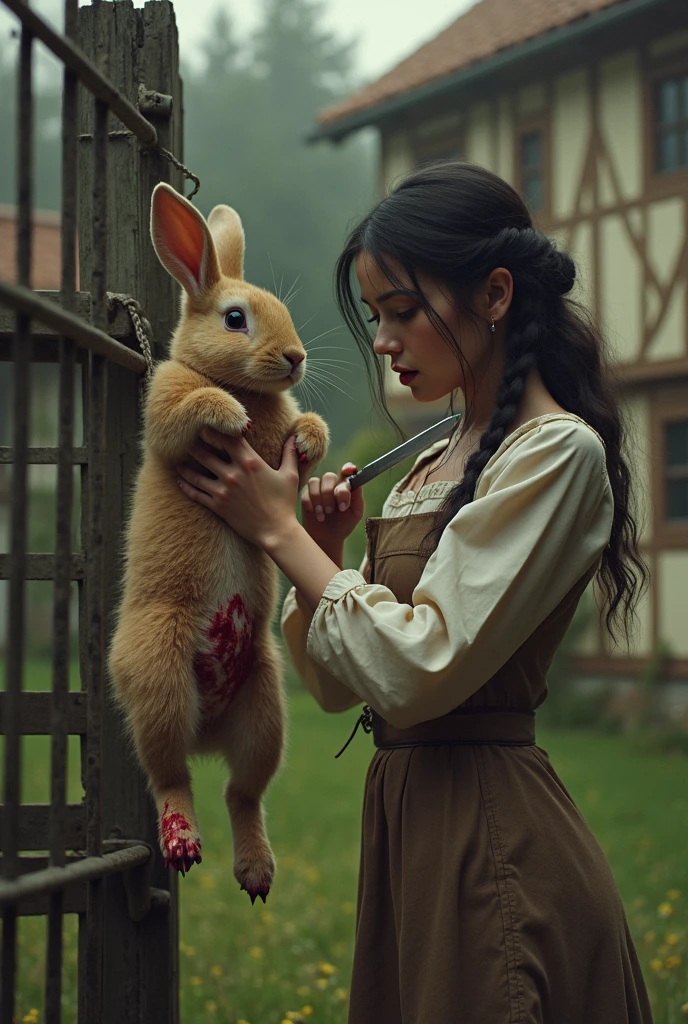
541	518
295	620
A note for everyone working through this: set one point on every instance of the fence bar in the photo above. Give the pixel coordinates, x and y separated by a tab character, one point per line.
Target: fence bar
16	617
43	456
95	916
66	323
63	545
55	879
72	57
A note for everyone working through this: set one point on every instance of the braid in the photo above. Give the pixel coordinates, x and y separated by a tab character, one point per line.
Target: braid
521	358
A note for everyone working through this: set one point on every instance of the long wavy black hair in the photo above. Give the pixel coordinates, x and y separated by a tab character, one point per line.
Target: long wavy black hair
456	223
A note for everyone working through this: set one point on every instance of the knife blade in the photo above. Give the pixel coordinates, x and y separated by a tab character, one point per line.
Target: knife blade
396	455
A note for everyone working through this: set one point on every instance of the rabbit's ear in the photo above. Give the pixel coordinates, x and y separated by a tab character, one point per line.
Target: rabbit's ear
228	235
182	241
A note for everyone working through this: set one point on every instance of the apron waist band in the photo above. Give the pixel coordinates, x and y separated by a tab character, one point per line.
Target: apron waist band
509	727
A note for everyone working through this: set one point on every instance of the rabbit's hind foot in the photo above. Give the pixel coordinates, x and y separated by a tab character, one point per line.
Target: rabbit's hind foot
255	875
180	840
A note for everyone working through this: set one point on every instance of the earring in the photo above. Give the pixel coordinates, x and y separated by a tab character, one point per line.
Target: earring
492	325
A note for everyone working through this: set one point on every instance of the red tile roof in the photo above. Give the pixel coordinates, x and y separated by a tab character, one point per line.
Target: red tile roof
487	28
46	256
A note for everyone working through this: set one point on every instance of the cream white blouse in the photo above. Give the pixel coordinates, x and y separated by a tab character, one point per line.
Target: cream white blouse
541	517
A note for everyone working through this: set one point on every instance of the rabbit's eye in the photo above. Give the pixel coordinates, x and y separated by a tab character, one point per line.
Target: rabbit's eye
235	320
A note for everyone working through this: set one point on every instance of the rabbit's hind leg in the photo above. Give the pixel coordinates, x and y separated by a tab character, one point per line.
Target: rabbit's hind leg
252	740
151	663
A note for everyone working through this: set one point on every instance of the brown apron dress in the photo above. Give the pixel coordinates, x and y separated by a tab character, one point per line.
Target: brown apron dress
484	897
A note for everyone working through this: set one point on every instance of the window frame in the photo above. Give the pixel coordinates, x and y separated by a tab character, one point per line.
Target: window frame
528	126
661	183
665	410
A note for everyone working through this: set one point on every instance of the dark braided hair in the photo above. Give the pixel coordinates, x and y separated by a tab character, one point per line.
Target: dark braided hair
456	223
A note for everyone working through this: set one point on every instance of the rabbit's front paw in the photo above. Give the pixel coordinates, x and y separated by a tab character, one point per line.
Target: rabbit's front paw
232	420
312	438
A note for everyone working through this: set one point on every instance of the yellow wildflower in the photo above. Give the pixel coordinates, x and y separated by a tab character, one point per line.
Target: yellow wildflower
242	1021
649	936
207	882
312	875
294	1015
665	909
306	1011
211	1006
326	968
672	939
674	894
672	961
348	907
216	971
256	952
195	981
267	917
189	950
321	983
656	964
340	993
684	1010
303	990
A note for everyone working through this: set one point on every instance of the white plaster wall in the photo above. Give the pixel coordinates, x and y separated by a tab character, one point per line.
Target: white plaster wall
580	250
621	124
505	139
669	341
480	128
673	600
397	159
621	289
570	138
636	409
665	236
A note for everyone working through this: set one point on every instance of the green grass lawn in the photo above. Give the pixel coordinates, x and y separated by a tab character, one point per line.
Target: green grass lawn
290	959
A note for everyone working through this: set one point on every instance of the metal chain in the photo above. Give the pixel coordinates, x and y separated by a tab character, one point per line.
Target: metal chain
125	133
144	334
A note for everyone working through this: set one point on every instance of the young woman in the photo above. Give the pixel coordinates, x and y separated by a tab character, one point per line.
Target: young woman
483	898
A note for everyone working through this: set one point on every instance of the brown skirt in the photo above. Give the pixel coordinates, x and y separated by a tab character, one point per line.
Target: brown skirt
484	897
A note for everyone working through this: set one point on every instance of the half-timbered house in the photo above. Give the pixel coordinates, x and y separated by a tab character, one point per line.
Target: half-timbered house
583	106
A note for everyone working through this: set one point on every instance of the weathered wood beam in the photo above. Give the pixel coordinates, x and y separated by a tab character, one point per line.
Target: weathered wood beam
35	710
42	567
43	456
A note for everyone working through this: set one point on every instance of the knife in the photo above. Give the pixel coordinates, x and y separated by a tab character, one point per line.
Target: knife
411	447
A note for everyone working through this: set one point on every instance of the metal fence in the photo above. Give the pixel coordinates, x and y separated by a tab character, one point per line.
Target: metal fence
101	861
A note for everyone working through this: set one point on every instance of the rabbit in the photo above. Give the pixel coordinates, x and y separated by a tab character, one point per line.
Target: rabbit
194	666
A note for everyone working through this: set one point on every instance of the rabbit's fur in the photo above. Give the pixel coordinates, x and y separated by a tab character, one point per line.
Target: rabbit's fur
193	661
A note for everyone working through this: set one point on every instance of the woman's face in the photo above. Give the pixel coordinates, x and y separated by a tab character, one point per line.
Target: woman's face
405	333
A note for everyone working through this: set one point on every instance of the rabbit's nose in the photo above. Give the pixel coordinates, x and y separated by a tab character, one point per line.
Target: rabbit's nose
295	359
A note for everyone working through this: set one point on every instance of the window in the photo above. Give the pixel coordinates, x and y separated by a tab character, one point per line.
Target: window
671	124
532	169
676	471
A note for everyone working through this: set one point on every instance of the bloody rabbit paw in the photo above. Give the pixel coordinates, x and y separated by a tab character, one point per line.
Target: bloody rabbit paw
179	841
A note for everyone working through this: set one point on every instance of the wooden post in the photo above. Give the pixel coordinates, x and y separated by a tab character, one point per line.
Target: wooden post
137	48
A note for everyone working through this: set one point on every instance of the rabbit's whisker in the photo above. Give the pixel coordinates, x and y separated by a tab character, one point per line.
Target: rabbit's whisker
338	328
305	324
272	270
331	384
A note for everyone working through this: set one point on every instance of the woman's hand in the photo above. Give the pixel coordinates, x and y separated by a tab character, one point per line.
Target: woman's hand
323	517
258	502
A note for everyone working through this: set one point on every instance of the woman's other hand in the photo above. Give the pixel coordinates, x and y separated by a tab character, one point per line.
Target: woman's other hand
323	519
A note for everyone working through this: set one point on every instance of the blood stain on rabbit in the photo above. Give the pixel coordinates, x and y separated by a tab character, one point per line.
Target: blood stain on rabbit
221	672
